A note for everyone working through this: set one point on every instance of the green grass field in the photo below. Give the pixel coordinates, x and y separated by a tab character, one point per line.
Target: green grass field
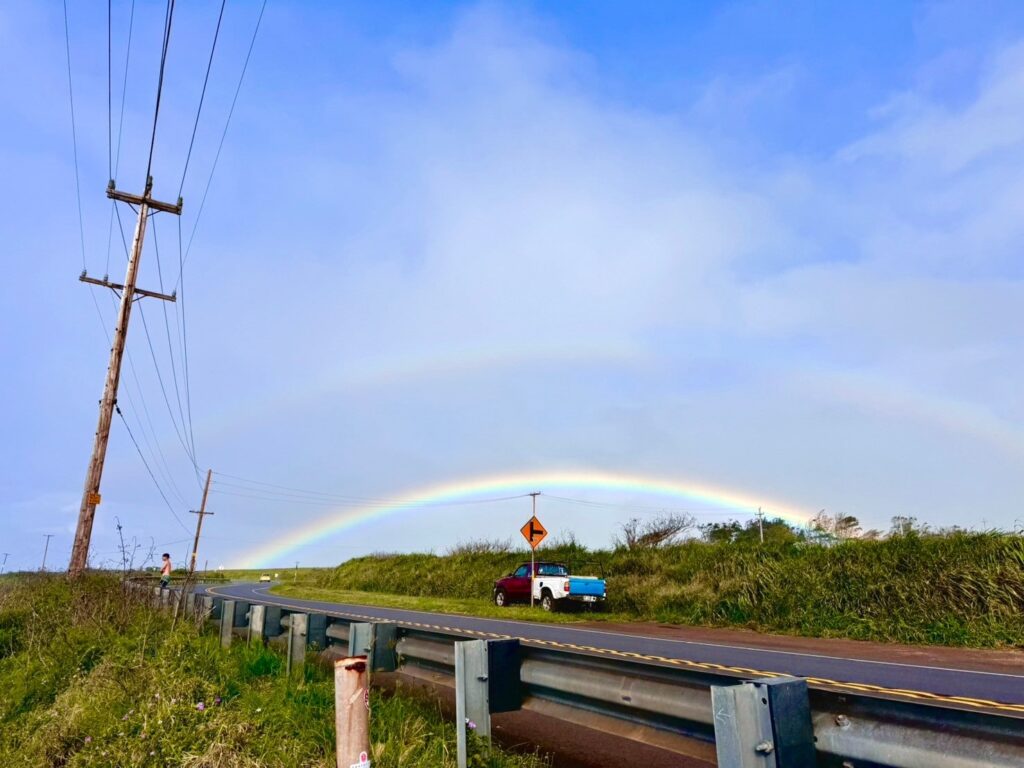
90	677
958	590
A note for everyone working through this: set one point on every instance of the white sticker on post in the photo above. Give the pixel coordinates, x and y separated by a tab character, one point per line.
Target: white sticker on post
364	761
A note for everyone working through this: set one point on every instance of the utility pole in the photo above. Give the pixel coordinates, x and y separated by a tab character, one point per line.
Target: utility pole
760	523
129	293
199	523
533	550
46	549
6	555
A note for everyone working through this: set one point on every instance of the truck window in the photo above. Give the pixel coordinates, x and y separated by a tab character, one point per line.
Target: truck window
522	572
552	570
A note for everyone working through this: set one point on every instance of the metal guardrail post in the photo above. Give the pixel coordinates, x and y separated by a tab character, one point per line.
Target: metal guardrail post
316	631
227	622
461	695
376	641
257	620
272	622
298	624
763	724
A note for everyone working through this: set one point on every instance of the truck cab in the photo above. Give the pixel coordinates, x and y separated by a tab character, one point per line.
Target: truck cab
552	586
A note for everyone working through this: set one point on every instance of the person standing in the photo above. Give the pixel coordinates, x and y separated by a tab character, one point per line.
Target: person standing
165	572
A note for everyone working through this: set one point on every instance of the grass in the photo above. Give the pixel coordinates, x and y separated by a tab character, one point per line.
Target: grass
90	677
960	589
465	605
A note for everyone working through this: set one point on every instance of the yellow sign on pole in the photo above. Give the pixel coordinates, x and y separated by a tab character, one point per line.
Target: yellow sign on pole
94	499
534	532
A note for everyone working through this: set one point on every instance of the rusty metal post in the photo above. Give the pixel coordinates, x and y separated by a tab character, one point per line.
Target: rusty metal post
352	712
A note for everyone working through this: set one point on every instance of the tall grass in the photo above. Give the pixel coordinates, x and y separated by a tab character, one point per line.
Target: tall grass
959	589
91	678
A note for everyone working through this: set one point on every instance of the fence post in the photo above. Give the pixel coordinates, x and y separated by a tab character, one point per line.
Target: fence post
352	712
764	724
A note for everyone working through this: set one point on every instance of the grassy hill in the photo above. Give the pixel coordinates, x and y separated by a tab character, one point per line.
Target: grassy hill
956	589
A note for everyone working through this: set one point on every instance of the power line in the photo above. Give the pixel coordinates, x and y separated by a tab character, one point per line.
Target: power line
182	323
120	129
150	471
202	96
74	132
167	328
156	365
165	469
223	135
110	142
168	19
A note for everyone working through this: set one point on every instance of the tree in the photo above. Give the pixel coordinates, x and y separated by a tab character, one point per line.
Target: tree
903	525
658	531
719	533
837	526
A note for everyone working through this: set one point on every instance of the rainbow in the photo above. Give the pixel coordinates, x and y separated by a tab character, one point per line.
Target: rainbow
465	490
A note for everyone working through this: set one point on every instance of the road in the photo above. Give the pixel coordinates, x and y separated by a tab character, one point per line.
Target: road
949	686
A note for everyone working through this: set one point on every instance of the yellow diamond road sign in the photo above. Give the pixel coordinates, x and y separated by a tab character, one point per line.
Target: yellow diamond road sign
534	532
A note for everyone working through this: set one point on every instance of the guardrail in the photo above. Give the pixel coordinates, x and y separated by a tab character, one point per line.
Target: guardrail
753	723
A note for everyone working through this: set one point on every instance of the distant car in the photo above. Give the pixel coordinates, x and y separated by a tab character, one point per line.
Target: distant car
553	587
265	577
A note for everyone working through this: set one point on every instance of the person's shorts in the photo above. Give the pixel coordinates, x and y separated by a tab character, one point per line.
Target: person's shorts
164	581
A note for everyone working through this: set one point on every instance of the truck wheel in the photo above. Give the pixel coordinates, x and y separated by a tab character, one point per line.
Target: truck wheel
547	602
500	599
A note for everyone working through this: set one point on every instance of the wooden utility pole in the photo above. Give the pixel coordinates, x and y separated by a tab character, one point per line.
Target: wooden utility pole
129	293
533	549
46	549
6	555
199	523
760	523
352	712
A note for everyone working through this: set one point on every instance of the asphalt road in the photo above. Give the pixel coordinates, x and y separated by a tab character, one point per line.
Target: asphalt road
947	685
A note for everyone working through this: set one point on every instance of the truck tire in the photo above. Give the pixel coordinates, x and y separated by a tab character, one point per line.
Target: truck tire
500	598
547	602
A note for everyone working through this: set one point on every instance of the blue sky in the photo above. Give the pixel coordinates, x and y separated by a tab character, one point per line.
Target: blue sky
773	248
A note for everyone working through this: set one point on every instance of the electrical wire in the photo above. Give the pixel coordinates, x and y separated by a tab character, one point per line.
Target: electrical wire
202	96
156	365
150	471
168	19
224	134
74	132
120	131
181	321
165	470
647	508
167	328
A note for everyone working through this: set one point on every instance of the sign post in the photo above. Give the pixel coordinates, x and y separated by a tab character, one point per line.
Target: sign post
534	533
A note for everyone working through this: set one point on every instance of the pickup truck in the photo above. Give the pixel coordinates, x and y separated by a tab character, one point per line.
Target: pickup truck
553	587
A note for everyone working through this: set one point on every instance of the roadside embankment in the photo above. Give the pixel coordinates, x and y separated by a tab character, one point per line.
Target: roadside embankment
90	677
959	589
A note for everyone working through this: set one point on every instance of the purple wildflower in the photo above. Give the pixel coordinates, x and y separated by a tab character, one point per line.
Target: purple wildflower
88	739
200	706
217	700
470	724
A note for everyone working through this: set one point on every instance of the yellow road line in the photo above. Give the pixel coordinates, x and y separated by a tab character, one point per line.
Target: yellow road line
703	665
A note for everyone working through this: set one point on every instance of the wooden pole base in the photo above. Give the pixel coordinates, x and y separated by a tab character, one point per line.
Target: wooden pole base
352	712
